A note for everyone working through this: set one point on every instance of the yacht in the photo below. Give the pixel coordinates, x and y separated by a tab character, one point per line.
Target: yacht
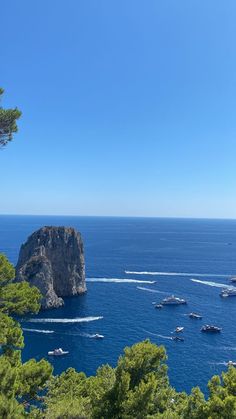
179	329
210	329
58	352
195	316
228	292
172	300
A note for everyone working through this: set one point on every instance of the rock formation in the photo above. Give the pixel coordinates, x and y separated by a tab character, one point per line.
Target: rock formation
52	259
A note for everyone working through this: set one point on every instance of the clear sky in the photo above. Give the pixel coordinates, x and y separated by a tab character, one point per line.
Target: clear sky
128	107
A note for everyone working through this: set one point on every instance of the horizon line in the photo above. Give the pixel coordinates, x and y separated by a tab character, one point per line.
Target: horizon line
119	216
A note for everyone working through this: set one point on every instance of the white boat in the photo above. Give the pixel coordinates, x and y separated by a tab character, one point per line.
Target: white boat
97	336
228	292
233	279
58	352
172	300
195	316
210	329
231	363
179	329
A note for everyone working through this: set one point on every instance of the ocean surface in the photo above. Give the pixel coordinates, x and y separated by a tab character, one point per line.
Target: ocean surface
130	264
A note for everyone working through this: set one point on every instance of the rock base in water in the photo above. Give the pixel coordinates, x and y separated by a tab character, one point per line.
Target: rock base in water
52	259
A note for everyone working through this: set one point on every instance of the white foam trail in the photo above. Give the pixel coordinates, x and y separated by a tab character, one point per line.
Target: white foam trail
175	274
150	290
159	336
84	335
212	284
219	363
37	330
75	320
228	348
119	280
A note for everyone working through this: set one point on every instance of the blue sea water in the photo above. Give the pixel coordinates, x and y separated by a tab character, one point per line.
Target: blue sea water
190	258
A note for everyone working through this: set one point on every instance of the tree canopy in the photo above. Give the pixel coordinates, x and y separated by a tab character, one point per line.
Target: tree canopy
8	122
19	382
138	387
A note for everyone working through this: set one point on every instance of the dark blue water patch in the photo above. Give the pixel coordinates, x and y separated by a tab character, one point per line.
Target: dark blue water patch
182	250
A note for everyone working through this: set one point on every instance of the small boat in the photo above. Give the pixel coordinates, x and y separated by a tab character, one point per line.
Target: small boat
210	329
195	316
233	279
179	329
158	305
231	364
228	292
177	339
172	300
58	352
97	336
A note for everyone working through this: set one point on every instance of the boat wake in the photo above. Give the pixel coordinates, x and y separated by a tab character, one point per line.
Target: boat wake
37	330
228	348
150	290
218	363
159	336
119	280
211	284
81	334
90	336
75	320
175	274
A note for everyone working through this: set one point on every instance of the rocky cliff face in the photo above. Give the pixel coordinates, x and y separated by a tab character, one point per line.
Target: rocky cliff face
52	259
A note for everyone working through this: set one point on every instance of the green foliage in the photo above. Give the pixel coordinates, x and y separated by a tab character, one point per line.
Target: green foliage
7	271
19	382
32	377
222	400
139	376
8	125
10	408
16	298
137	388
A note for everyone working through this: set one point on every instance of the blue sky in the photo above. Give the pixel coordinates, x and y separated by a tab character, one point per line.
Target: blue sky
128	107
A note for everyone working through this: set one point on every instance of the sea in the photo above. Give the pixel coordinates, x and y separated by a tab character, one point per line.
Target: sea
131	264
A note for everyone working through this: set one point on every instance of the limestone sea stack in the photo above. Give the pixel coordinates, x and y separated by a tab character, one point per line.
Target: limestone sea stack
52	259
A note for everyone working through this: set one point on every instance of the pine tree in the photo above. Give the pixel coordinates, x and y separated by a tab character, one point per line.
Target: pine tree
8	123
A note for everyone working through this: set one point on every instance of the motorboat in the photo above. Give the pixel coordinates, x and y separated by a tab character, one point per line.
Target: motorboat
97	336
233	279
231	364
177	339
179	329
210	329
172	300
228	292
195	316
58	352
159	306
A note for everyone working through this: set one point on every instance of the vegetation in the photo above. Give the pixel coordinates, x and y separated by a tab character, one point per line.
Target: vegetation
20	383
8	125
